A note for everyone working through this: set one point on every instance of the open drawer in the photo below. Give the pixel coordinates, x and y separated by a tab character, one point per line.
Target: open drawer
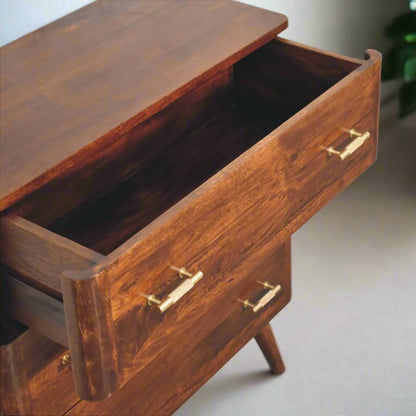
214	182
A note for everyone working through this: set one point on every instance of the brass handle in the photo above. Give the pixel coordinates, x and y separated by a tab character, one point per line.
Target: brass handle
352	147
273	291
177	293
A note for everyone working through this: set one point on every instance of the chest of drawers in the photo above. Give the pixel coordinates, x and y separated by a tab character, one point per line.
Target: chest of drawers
156	158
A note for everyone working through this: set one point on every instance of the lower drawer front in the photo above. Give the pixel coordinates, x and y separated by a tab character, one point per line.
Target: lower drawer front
192	357
34	381
37	382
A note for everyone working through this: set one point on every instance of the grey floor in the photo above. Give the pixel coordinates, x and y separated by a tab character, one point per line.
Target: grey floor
348	337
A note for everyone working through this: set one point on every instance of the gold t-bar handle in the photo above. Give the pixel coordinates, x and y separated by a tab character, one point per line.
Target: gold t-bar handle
177	293
352	147
255	307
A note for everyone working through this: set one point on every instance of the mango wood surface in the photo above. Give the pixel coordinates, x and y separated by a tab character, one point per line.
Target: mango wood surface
91	335
41	256
257	201
268	345
283	77
101	82
33	308
42	385
243	211
230	123
110	220
50	382
103	170
169	379
88	78
14	387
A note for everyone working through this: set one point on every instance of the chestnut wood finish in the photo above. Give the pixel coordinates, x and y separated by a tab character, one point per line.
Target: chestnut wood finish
14	386
267	343
38	384
64	79
50	381
120	159
34	308
91	336
230	121
167	381
110	220
127	151
268	181
41	256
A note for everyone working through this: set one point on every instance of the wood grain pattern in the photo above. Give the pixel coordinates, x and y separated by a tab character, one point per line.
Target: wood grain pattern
225	212
52	388
278	184
47	384
33	308
110	220
166	382
198	155
261	197
51	383
198	145
268	345
93	75
89	324
100	171
41	256
226	279
299	75
14	386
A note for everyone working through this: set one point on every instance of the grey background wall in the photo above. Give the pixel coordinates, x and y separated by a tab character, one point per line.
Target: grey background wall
343	26
19	17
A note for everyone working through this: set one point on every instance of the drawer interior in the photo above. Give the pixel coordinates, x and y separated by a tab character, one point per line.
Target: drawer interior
168	155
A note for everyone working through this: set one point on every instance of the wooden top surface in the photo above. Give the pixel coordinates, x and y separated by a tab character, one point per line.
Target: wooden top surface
103	69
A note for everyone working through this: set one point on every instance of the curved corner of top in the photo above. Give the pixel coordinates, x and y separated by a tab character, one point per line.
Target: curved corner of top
372	55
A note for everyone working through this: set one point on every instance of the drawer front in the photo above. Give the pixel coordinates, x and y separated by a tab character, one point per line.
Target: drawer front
241	214
144	333
34	381
230	223
192	357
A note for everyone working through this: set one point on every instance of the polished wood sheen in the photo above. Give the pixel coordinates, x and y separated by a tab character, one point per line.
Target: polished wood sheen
14	386
267	182
33	379
33	308
267	343
41	256
87	79
137	136
91	336
169	379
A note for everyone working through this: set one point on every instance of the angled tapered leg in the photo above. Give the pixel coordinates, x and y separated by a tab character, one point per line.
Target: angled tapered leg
267	343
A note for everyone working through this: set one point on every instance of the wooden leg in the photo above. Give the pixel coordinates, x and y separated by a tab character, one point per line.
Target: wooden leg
267	343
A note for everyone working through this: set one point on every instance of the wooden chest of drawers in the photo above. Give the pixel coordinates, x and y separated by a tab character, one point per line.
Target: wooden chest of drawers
156	158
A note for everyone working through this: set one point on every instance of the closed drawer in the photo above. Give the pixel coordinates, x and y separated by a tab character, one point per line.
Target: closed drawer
34	381
173	376
241	163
